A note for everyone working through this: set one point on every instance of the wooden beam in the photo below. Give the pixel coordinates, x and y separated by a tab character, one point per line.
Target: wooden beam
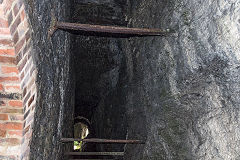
96	140
94	153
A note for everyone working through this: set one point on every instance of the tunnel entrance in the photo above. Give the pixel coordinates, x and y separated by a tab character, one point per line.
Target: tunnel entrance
81	131
99	109
100	126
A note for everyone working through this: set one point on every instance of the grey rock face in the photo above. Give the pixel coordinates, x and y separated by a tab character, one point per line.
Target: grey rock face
180	93
54	109
185	87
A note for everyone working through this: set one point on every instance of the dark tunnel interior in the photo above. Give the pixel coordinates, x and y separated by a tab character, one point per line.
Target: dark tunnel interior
99	67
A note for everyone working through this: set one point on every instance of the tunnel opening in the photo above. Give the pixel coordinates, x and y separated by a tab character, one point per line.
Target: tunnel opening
81	131
99	66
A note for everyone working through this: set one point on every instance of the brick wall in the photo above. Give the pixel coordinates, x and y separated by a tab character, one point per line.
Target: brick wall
17	81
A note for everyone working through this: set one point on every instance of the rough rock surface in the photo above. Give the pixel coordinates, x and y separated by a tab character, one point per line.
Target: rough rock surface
54	109
180	93
184	88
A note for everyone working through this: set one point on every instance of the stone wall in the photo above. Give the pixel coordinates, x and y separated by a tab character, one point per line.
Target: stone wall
183	94
179	93
55	81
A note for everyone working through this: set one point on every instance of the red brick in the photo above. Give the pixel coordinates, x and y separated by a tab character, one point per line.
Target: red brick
24	124
9	2
9	60
10	141
26	130
1	87
25	81
15	38
15	9
27	68
24	91
8	5
11	126
21	66
15	24
19	45
3	117
26	24
22	15
30	118
26	114
2	133
15	103
7	110
15	88
33	107
9	157
7	70
31	83
27	35
15	133
31	100
4	31
10	18
10	52
19	57
26	51
26	98
6	42
16	117
8	79
20	3
6	9
22	75
3	23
